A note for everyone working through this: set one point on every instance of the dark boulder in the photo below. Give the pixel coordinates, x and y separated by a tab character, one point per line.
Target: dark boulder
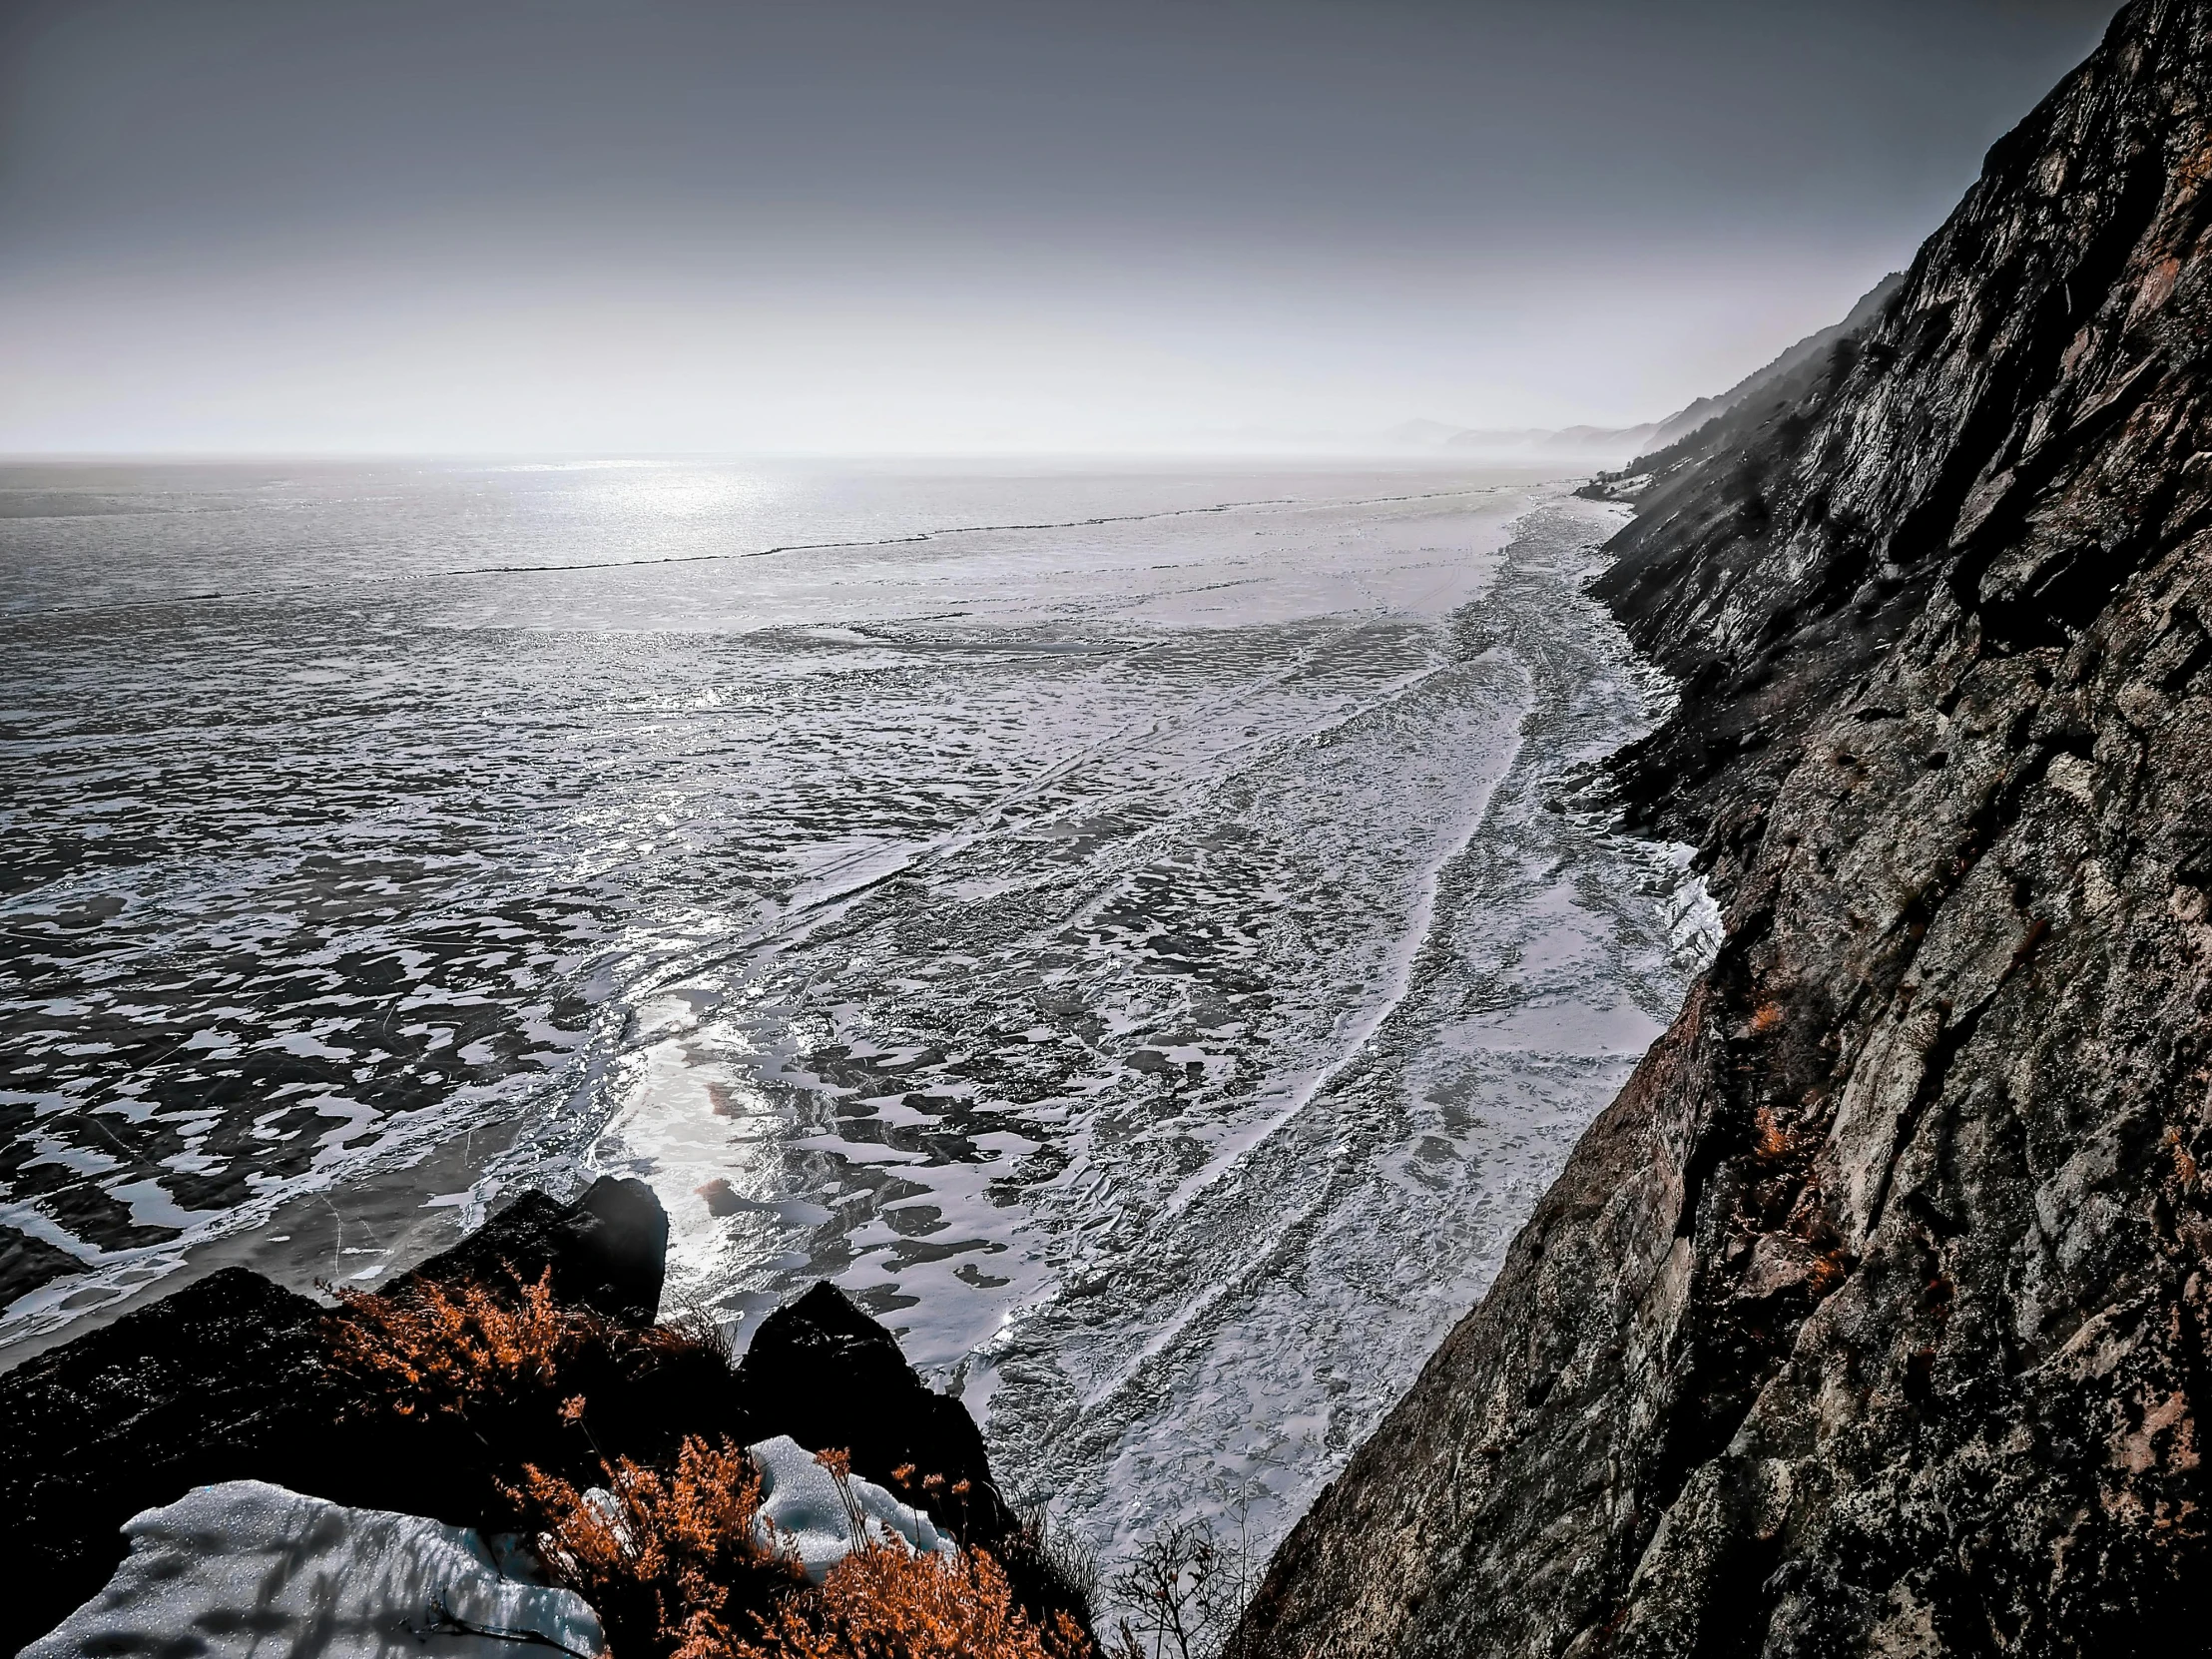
223	1380
607	1251
824	1373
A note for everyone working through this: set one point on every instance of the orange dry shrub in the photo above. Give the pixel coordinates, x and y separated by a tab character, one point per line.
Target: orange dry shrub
436	1348
881	1602
666	1558
461	1350
668	1561
673	1567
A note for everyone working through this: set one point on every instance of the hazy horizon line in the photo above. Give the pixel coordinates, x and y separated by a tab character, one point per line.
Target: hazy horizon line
640	456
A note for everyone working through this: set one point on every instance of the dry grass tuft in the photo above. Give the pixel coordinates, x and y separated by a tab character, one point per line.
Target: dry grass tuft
673	1567
883	1603
441	1351
461	1350
668	1560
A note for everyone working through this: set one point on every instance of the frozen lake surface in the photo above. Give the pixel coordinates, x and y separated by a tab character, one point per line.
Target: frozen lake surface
1151	945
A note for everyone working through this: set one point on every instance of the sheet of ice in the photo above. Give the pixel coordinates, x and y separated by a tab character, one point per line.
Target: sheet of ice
1171	1110
804	1511
246	1568
1154	963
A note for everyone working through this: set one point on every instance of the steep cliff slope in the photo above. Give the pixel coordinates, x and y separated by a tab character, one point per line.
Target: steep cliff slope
1871	1317
1672	435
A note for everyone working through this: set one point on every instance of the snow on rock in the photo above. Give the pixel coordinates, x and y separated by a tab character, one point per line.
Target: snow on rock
245	1567
804	1514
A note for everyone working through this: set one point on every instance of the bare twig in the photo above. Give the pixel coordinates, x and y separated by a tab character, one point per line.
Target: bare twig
444	1622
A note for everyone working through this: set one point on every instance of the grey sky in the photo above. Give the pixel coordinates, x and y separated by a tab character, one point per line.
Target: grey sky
978	223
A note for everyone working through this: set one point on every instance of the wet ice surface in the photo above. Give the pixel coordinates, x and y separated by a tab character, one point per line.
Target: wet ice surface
1153	964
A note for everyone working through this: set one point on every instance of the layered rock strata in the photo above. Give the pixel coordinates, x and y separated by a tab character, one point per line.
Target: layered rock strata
1871	1317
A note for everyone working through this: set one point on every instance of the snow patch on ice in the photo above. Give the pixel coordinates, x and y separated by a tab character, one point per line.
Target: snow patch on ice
245	1567
804	1514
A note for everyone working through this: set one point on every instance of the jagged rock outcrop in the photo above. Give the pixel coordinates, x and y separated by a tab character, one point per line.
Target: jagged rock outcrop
607	1251
236	1379
821	1372
1871	1317
828	1375
230	1379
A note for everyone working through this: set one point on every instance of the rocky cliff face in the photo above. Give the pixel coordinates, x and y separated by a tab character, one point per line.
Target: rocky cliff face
1872	1319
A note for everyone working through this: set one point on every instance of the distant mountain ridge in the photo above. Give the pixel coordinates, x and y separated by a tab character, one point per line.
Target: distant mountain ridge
1578	446
1627	446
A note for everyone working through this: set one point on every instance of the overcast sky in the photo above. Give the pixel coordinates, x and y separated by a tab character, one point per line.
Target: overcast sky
898	224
